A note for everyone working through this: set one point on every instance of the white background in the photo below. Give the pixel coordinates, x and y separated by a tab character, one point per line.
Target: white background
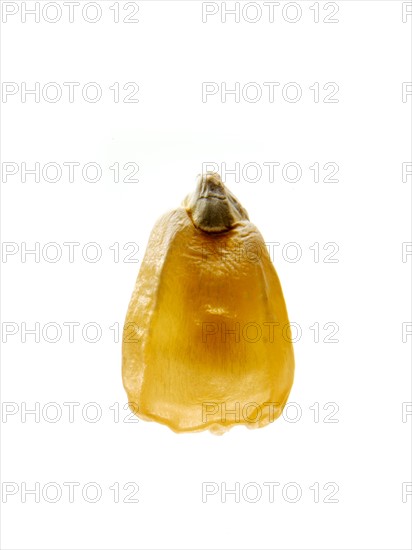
169	133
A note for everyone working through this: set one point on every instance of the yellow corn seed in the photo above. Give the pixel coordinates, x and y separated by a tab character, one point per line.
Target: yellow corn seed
202	343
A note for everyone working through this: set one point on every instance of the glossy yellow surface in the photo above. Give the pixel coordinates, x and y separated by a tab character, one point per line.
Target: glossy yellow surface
204	343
